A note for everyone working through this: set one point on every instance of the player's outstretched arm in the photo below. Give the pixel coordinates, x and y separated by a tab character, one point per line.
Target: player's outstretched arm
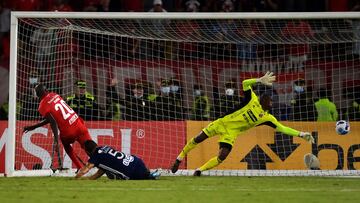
274	123
267	79
53	125
97	175
84	170
292	132
33	127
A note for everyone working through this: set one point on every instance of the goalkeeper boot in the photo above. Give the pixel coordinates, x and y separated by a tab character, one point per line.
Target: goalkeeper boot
175	166
197	173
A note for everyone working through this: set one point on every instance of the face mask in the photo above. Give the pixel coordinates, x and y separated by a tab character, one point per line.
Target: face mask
229	92
174	88
138	96
165	90
197	92
298	89
33	80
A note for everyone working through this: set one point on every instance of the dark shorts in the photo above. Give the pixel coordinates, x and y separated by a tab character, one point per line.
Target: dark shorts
140	171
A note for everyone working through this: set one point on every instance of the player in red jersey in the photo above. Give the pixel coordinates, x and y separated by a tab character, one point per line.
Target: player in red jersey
60	116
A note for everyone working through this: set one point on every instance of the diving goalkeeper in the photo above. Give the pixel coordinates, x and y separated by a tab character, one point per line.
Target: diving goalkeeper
250	113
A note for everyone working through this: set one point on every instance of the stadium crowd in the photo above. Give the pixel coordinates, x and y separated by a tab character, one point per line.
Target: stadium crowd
143	101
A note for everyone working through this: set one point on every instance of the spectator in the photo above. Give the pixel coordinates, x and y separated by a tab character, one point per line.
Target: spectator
326	110
84	103
168	5
297	31
149	91
302	105
201	105
138	107
191	6
157	6
113	102
231	98
166	108
227	5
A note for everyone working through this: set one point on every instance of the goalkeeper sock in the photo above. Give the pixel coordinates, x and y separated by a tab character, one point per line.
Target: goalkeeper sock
188	147
213	162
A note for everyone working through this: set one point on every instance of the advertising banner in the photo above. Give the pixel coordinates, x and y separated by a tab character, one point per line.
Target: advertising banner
263	148
157	143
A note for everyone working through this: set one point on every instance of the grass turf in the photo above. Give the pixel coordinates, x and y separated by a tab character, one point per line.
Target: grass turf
181	189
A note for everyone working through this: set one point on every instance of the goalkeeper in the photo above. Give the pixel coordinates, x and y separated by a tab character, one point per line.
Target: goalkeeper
250	113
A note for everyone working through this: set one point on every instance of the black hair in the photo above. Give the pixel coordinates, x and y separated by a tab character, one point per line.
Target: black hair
40	90
90	146
323	93
264	101
265	95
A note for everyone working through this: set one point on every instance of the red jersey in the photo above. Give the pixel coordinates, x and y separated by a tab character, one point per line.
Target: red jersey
63	114
70	125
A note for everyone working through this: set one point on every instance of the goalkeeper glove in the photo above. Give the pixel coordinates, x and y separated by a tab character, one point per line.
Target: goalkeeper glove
307	136
267	79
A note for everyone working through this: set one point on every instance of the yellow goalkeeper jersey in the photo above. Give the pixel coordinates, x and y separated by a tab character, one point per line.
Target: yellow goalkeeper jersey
247	115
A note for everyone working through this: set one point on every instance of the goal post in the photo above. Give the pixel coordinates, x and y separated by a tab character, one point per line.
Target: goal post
154	80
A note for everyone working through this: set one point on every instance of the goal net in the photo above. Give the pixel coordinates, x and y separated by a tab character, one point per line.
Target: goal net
147	83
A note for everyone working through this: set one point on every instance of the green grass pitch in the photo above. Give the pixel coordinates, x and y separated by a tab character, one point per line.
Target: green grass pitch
181	189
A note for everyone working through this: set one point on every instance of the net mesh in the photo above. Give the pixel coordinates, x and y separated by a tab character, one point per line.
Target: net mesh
152	84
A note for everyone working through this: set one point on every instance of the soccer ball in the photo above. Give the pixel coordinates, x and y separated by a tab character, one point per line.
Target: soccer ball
311	162
342	127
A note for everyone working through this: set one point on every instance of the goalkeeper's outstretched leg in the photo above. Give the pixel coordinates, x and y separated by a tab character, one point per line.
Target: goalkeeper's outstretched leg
187	148
224	151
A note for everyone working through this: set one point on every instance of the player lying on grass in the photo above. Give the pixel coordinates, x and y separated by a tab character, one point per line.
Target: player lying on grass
250	113
115	164
60	116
